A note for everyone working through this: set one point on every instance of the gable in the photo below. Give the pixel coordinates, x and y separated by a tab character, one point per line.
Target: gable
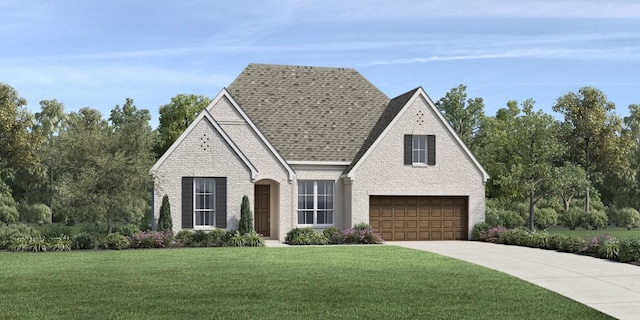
413	113
310	113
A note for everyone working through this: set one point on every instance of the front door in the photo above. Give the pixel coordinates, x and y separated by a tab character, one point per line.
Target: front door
262	206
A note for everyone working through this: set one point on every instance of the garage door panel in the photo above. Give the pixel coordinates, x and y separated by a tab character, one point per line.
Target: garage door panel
401	218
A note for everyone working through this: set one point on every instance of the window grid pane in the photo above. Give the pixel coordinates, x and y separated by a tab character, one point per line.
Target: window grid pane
204	201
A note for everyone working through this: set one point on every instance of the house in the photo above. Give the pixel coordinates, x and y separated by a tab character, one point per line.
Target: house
318	147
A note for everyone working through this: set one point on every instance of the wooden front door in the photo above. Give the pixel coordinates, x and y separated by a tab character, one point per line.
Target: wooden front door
262	209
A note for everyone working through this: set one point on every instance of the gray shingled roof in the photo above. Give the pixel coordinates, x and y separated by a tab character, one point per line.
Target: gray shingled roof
310	113
393	108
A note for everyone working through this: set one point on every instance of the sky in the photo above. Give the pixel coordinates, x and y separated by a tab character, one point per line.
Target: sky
97	53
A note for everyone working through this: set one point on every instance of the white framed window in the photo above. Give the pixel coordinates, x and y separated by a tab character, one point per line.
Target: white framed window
204	206
315	202
419	149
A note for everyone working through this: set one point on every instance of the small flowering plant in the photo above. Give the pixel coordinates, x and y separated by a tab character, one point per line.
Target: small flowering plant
492	235
594	243
361	234
151	239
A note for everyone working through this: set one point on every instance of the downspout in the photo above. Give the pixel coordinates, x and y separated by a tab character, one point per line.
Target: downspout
153	211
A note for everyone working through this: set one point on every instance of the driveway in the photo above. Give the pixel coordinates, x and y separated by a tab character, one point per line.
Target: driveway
607	286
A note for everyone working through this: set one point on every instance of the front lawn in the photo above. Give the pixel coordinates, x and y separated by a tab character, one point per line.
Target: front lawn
343	282
616	232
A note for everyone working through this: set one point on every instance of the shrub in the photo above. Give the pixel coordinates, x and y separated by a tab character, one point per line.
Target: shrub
478	230
35	213
84	240
198	239
538	240
164	220
246	221
544	218
554	241
55	230
8	233
572	218
510	219
8	211
593	244
608	250
129	230
115	241
151	239
572	244
629	249
627	217
305	236
236	240
35	244
517	236
595	219
183	237
252	239
19	244
61	243
215	238
361	233
492	217
493	234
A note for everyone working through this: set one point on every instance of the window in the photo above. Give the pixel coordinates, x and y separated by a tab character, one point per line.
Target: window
204	202
419	150
315	202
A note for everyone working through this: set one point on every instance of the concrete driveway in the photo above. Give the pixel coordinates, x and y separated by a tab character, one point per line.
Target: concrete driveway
610	287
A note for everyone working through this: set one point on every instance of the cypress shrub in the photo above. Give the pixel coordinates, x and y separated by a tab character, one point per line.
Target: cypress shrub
246	221
164	220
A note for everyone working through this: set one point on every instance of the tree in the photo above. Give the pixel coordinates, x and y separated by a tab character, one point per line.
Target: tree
534	146
17	147
104	164
465	116
632	132
175	117
246	220
164	221
569	182
593	134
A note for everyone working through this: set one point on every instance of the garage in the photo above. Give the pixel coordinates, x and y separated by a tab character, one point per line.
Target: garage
407	218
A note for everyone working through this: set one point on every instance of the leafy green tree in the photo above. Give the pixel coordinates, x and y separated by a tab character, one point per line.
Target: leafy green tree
534	146
17	147
593	134
246	219
464	115
175	117
630	195
569	182
164	220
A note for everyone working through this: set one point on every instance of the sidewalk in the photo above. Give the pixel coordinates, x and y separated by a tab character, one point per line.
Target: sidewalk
607	286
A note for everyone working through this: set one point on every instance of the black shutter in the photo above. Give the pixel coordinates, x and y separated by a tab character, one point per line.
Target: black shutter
431	150
221	202
187	202
408	148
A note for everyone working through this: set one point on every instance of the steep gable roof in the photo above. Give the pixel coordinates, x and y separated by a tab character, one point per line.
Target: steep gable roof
393	111
310	113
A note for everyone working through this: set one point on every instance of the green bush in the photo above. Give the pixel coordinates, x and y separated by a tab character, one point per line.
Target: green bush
517	236
627	217
151	239
61	243
252	239
34	244
246	219
164	220
8	211
544	218
236	240
129	230
629	249
35	213
572	244
305	236
492	217
334	235
361	233
510	219
608	250
572	218
215	238
84	240
55	230
479	229
554	241
595	219
115	241
538	240
183	237
10	232
198	239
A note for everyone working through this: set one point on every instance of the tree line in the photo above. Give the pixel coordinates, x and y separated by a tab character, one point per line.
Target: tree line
81	167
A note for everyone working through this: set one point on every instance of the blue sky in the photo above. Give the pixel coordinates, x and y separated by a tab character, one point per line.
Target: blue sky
97	53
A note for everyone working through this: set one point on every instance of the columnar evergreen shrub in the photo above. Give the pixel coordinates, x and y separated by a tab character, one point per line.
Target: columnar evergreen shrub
164	220
246	220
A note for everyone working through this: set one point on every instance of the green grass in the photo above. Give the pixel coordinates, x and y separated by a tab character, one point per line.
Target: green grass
339	282
617	232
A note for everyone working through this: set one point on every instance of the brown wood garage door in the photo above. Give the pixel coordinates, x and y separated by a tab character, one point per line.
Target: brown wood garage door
419	218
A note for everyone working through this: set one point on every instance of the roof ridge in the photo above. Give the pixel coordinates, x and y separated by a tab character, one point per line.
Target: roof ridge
289	66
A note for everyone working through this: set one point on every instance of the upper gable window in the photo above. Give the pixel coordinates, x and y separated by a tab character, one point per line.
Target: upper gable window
420	149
